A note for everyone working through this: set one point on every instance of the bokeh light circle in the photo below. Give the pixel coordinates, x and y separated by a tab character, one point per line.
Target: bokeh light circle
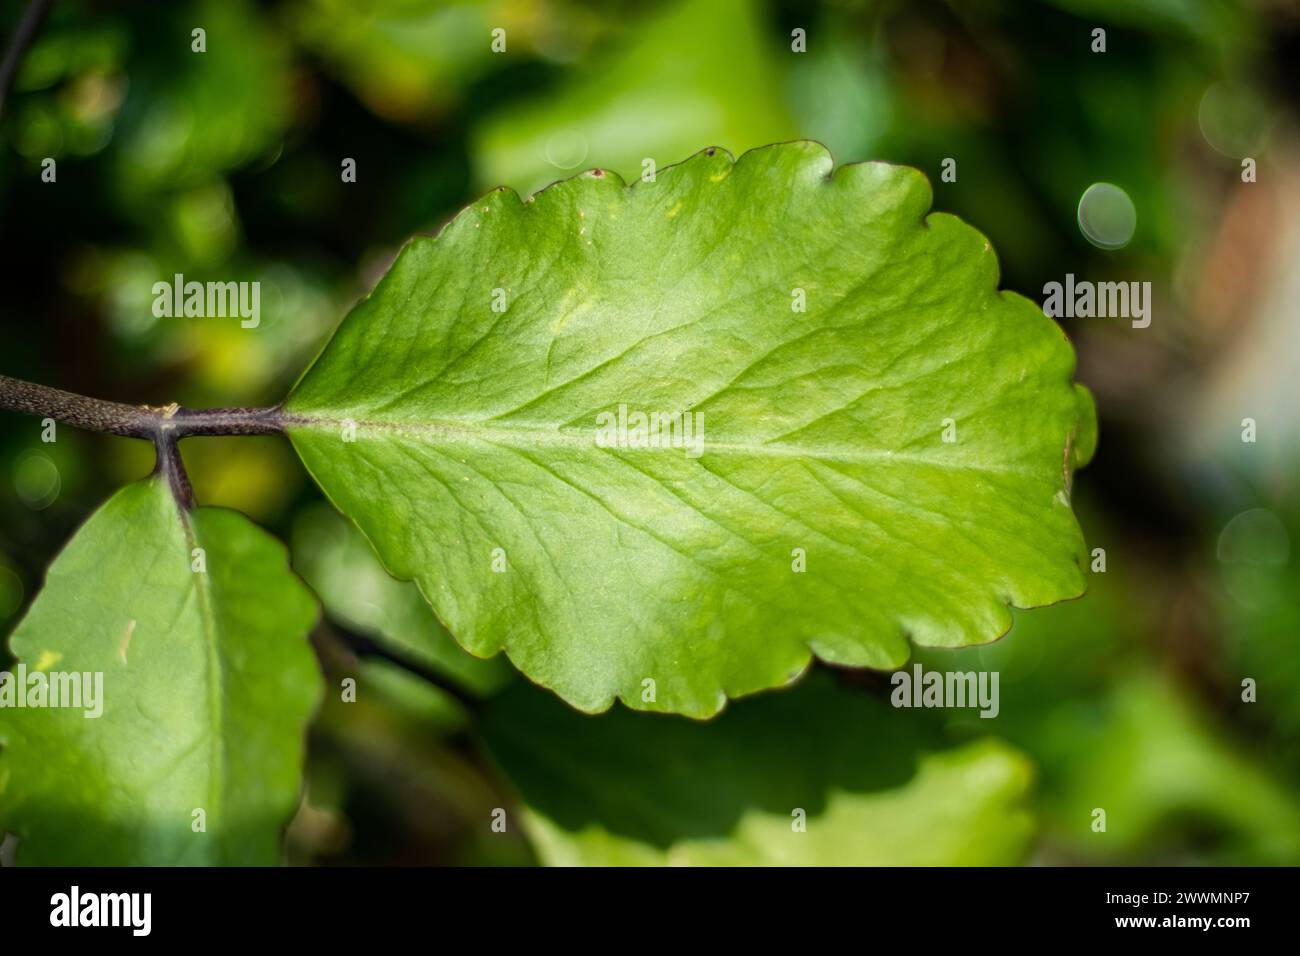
1256	537
566	149
36	480
1107	217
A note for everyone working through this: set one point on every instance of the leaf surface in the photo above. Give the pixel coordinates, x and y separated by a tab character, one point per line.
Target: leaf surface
207	687
826	514
872	786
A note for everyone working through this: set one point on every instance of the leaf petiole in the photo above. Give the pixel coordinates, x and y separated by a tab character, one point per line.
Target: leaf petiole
164	425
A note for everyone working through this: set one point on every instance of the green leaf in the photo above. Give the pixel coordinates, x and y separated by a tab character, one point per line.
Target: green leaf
207	683
411	60
192	116
626	789
463	441
1085	692
335	560
1149	755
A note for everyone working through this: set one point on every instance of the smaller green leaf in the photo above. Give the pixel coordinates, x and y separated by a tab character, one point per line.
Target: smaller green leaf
1084	691
191	117
207	687
660	95
412	60
629	789
1148	755
334	558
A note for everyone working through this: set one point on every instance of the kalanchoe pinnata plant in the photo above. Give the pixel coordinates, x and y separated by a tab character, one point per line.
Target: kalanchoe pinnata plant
664	442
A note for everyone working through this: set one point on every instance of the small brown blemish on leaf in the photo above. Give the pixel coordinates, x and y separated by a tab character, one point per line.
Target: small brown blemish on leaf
126	640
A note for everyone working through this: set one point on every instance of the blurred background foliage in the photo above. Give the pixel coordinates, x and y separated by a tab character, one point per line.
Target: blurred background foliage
226	165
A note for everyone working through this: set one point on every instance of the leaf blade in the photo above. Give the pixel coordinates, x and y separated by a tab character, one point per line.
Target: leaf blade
207	687
772	781
476	429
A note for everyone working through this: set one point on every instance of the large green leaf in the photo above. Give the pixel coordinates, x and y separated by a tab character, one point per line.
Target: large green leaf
456	436
873	788
208	684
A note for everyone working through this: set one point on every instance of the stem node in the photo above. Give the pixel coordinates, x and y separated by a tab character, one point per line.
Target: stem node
163	425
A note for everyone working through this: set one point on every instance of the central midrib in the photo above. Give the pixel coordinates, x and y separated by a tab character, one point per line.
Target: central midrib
529	437
215	678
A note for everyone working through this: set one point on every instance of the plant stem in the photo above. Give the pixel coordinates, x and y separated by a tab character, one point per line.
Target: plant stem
163	426
359	645
172	469
135	421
